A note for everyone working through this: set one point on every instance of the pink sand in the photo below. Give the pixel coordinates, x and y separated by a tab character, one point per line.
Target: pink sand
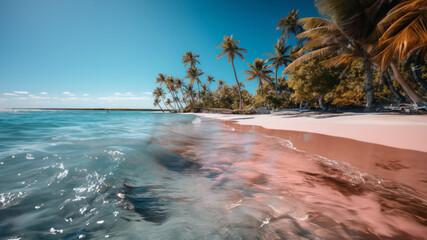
393	130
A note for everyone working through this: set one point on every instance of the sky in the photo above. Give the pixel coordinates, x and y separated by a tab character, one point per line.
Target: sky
108	53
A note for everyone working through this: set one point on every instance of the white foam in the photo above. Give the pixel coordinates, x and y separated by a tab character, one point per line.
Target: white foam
197	121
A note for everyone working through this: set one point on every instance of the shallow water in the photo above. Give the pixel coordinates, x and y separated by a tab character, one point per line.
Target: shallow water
136	175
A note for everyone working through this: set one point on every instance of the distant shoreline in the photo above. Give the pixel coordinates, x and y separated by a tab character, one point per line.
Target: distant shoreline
91	109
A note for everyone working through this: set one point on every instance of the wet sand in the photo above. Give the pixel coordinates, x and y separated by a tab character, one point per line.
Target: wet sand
404	166
341	192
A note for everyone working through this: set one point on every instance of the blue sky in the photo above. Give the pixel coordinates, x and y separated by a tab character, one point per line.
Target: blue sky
104	53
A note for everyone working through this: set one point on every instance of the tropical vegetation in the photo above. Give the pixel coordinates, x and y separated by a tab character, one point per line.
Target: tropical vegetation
358	55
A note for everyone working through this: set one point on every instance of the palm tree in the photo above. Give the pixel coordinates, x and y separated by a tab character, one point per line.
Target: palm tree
189	92
164	79
204	93
402	32
171	86
161	79
220	84
157	103
193	74
159	93
209	80
190	58
326	39
398	26
259	70
279	58
169	102
178	85
290	25
230	47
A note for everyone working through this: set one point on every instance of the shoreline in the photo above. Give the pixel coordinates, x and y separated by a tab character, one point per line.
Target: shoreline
406	166
392	130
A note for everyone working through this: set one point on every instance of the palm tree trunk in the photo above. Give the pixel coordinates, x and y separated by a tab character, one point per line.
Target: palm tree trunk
165	105
322	103
180	103
161	108
184	98
171	93
177	99
276	81
238	86
415	97
416	71
192	99
198	92
393	90
369	89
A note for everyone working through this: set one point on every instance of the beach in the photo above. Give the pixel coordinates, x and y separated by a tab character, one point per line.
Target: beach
393	130
389	146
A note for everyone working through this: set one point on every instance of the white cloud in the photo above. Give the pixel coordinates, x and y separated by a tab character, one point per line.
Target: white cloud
43	93
22	98
123	94
38	97
10	94
21	92
85	95
147	93
68	94
3	99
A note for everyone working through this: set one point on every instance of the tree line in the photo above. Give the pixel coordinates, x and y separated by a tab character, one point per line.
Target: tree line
362	53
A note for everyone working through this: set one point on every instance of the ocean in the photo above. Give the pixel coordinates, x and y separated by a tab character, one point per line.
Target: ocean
151	175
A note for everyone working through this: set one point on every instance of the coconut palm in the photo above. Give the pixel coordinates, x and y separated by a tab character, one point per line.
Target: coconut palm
190	58
290	25
194	74
402	32
169	102
161	79
399	26
209	80
157	103
230	47
159	93
259	70
179	85
326	39
279	58
220	84
171	86
204	92
189	92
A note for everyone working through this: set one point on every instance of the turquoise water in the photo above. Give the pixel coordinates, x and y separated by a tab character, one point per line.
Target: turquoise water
141	175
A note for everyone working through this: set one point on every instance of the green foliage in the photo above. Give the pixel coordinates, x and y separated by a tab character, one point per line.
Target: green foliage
312	80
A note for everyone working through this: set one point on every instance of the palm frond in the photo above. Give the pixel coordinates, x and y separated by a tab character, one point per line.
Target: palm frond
317	53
